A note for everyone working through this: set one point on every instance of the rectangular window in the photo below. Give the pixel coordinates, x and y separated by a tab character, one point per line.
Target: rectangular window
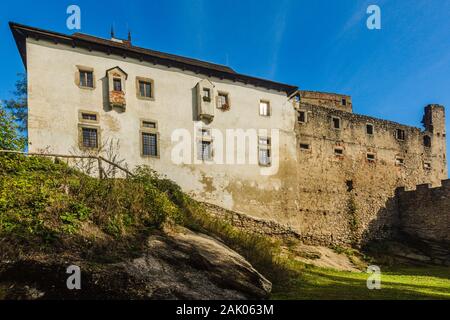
427	165
206	94
86	79
301	117
117	84
336	123
149	124
304	146
149	144
90	137
369	128
264	108
222	101
344	102
89	116
264	157
371	157
339	151
400	134
264	151
145	89
204	151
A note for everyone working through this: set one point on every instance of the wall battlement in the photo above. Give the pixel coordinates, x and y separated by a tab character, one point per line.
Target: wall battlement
424	217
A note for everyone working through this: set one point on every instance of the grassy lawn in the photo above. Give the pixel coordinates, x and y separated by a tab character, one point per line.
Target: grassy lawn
309	282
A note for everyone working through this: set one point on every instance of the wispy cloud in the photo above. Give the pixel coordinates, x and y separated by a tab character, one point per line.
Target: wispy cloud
279	30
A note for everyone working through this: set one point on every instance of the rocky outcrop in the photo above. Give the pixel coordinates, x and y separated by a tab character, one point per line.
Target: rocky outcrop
177	265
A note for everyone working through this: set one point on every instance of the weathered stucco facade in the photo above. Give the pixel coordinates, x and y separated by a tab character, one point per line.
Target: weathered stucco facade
329	178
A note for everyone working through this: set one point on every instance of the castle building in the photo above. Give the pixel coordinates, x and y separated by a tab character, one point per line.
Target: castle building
260	147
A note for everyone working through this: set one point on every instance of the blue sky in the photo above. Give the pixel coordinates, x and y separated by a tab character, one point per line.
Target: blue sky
322	45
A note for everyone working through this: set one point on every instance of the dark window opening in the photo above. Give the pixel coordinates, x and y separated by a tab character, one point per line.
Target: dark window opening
89	136
400	134
89	116
149	144
206	94
371	157
301	116
344	102
369	129
427	141
338	151
304	146
117	84
145	89
427	165
349	184
86	79
399	161
336	123
148	124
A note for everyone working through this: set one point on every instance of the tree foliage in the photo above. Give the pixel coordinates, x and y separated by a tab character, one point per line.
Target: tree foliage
18	105
10	137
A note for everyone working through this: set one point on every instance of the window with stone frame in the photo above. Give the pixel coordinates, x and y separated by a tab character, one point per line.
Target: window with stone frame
223	101
145	89
86	78
264	108
149	144
89	137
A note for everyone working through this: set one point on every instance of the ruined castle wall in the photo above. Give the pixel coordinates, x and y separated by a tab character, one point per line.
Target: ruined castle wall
344	198
425	212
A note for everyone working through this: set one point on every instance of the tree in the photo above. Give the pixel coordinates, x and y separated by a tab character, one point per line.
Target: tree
10	137
18	105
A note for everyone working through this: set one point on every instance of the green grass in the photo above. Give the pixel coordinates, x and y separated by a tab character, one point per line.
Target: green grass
310	283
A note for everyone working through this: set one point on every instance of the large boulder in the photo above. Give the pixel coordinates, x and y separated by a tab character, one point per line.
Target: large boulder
175	265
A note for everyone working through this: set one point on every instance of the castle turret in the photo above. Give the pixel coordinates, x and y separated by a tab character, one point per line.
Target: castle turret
434	138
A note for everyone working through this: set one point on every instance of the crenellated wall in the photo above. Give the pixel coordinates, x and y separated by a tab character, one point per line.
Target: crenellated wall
424	213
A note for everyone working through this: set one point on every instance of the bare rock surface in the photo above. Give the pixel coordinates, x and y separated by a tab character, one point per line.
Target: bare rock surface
175	265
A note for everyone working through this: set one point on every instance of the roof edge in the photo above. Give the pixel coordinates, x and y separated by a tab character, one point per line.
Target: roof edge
22	32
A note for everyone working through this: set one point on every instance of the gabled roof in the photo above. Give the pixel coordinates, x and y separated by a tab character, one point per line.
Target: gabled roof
125	49
120	69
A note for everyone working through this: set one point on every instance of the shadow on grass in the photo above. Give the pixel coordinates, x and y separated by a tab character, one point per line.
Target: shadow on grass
313	283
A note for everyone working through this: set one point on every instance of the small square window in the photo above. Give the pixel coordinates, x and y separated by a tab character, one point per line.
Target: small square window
89	137
339	151
149	144
336	123
427	165
400	134
117	84
222	101
371	157
86	79
301	116
145	89
305	146
369	128
264	108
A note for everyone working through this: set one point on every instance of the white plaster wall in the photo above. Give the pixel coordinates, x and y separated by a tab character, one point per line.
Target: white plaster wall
55	100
